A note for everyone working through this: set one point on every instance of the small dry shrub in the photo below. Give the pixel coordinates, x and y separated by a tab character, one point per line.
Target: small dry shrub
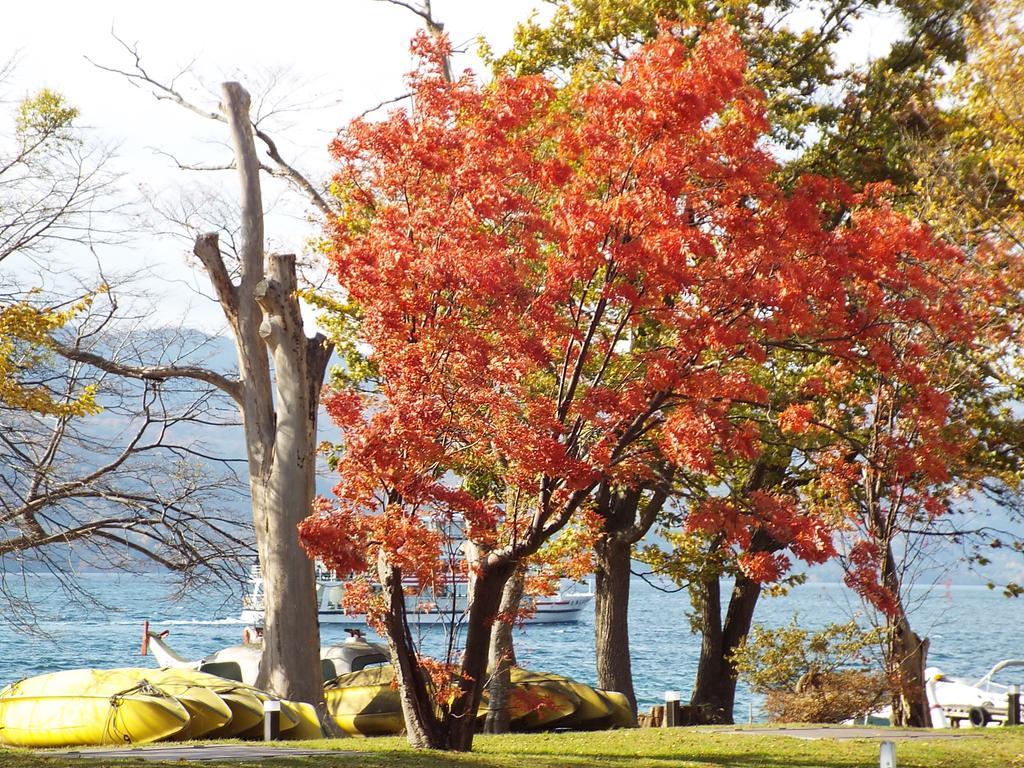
828	697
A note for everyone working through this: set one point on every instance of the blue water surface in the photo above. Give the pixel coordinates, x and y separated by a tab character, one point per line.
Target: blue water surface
971	627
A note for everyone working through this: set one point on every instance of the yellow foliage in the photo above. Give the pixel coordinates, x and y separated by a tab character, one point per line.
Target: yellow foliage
24	342
45	114
41	122
991	82
975	185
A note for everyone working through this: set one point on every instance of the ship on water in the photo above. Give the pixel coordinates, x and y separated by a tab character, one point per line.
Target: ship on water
443	603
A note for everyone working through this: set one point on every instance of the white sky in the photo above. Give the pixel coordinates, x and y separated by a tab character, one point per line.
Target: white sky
346	55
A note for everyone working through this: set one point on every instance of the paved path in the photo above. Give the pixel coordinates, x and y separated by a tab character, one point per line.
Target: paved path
848	732
248	752
258	752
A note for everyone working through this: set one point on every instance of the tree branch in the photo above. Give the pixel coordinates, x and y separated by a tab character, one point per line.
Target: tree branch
151	372
434	27
207	250
167	92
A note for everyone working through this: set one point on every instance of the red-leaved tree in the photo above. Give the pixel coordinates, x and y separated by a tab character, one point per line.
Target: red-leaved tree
900	436
547	291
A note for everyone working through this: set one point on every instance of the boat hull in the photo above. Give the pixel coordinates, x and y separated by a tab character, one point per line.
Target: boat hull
365	703
565	611
440	604
81	720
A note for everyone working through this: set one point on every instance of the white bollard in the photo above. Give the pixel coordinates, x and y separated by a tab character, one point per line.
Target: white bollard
271	720
887	755
672	713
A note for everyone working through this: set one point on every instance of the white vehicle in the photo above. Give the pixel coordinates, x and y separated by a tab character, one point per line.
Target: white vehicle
442	604
978	702
953	701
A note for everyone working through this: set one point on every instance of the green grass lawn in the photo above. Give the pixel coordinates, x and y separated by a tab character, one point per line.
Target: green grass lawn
645	748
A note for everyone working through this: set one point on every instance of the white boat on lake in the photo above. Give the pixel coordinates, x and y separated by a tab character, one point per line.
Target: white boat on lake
442	604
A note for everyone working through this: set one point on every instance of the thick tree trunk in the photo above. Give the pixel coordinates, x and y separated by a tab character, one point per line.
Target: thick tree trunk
280	431
291	648
502	655
626	517
707	688
714	690
611	618
286	497
908	654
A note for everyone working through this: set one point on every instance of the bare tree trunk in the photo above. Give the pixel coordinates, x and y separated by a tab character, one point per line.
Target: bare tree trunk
291	645
907	656
611	618
279	413
502	655
714	690
626	518
280	432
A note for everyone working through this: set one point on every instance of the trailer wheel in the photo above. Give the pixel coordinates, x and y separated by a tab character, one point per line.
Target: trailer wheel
979	717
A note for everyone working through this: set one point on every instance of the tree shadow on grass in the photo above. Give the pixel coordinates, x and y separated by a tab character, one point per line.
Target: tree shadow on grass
764	759
541	759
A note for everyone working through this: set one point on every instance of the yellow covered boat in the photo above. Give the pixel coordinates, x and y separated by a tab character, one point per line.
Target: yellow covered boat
246	707
533	704
308	726
622	714
207	710
87	707
364	703
298	719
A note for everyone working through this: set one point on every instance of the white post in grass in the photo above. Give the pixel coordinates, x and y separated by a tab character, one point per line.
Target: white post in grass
271	720
887	757
672	712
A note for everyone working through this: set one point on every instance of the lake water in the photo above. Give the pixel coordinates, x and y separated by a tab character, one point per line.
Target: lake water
970	628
